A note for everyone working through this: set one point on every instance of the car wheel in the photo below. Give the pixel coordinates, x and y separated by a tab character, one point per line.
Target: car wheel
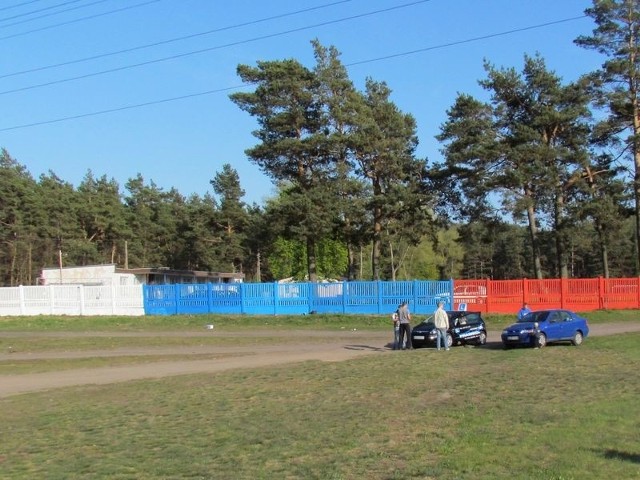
449	340
577	338
542	340
482	339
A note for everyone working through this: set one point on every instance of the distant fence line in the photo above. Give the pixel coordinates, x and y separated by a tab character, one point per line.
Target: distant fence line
296	298
360	297
381	297
126	300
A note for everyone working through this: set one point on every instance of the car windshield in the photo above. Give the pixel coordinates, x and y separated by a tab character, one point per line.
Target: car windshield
534	317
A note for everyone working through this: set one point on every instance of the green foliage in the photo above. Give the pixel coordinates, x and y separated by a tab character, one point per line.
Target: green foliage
532	183
288	259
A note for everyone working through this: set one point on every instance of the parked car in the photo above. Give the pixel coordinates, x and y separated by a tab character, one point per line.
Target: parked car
464	328
538	328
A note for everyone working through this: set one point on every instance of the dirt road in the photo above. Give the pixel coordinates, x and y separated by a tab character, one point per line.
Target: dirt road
333	347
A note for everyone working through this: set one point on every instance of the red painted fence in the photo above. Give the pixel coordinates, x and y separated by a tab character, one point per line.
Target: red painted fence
578	294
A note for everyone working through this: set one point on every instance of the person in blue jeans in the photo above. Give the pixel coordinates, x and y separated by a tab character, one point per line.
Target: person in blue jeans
441	320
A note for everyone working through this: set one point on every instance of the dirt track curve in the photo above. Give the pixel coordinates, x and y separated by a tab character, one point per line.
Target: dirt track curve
334	347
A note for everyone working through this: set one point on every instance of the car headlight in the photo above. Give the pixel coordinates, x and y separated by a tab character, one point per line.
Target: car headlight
456	330
505	332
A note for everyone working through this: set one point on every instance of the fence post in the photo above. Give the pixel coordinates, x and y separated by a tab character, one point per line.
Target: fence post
313	287
563	292
488	292
345	296
209	297
21	297
176	296
275	298
52	299
114	292
451	289
243	300
601	293
525	291
379	290
81	299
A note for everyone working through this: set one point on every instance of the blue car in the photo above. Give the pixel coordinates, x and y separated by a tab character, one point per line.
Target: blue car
538	328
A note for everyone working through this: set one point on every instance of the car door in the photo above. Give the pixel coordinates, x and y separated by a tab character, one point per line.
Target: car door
567	324
468	330
554	327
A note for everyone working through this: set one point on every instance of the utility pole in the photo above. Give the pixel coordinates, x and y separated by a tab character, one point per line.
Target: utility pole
258	274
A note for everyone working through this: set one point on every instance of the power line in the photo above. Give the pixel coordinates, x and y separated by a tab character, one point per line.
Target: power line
50	7
237	87
126	107
176	39
468	40
18	5
81	19
55	13
209	49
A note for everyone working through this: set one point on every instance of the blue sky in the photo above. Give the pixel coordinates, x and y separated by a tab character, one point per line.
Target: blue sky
184	143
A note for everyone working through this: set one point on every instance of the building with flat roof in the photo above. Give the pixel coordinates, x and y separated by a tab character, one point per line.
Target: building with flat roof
109	274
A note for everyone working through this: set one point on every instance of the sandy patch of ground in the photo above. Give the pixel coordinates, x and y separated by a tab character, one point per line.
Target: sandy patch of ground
335	346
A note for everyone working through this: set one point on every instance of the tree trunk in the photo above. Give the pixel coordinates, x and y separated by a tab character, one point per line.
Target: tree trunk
311	259
352	259
12	269
635	111
376	245
636	191
563	267
393	266
535	248
604	251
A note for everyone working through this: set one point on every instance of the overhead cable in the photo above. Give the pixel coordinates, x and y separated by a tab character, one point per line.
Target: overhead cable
176	39
50	7
126	107
209	49
209	92
55	13
81	19
18	5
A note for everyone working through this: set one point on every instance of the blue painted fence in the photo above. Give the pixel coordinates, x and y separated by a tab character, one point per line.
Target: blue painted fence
375	297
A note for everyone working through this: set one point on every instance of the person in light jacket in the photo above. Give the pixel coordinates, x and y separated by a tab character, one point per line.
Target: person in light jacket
404	317
441	319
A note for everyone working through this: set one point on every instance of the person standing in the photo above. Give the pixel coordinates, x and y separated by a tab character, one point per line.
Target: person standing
395	318
404	317
441	320
524	310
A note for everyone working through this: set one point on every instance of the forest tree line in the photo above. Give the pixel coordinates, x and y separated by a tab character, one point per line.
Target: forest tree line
542	180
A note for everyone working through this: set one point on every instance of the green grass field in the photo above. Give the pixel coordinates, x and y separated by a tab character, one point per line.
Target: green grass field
472	413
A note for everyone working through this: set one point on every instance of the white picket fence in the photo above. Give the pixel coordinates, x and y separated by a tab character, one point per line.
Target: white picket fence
72	300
